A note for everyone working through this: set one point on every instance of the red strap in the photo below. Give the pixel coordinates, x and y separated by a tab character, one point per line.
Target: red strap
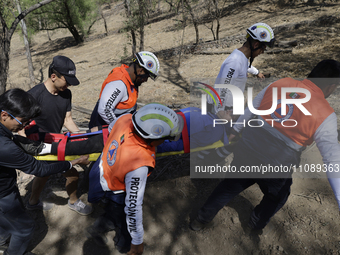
31	124
105	134
61	148
185	135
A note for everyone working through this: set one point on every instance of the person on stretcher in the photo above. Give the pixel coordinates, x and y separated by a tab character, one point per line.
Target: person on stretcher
198	132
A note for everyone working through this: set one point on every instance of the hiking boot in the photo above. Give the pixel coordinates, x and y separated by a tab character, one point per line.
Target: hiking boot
4	245
39	206
99	238
119	248
195	225
123	249
80	207
4	241
253	232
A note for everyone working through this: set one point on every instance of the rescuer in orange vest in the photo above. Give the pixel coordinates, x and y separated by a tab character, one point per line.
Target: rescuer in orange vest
120	173
272	143
119	91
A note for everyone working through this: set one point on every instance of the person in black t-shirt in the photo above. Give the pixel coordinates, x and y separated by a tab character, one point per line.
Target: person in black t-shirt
54	98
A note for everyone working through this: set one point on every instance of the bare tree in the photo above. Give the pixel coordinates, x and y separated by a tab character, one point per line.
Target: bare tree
215	10
174	5
130	27
142	13
187	5
6	34
27	47
137	12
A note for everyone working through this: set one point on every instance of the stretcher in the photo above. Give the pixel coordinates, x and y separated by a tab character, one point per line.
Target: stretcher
65	139
94	156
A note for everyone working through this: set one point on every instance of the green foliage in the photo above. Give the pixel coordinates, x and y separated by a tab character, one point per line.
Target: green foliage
8	12
75	15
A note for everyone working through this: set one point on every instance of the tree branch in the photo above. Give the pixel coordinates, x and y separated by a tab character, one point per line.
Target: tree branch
24	13
3	22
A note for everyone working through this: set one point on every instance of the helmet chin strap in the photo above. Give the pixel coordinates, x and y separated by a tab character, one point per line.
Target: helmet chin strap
137	84
252	50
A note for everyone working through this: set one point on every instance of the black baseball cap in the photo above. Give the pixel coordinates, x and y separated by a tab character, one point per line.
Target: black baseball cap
67	68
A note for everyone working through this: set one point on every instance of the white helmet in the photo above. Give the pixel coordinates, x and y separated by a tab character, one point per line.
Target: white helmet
156	121
262	32
149	62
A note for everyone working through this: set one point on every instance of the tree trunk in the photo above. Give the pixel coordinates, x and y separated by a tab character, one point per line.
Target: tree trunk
77	37
70	26
134	43
194	21
132	31
212	29
218	29
103	17
27	47
141	24
4	61
182	42
5	41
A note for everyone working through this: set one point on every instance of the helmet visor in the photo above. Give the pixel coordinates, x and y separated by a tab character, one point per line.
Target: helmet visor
271	43
152	75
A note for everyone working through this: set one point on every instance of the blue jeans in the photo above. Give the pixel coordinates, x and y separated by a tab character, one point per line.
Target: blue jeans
15	221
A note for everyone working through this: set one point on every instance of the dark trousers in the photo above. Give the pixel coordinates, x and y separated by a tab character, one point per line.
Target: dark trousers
115	218
275	191
15	221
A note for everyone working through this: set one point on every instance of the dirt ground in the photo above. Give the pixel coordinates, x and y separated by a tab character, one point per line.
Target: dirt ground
307	224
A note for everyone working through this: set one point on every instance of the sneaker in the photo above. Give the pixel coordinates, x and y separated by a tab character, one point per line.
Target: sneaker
98	238
195	225
80	207
39	206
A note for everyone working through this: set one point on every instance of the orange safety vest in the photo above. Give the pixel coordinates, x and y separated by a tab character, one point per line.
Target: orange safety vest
307	125
120	73
124	152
